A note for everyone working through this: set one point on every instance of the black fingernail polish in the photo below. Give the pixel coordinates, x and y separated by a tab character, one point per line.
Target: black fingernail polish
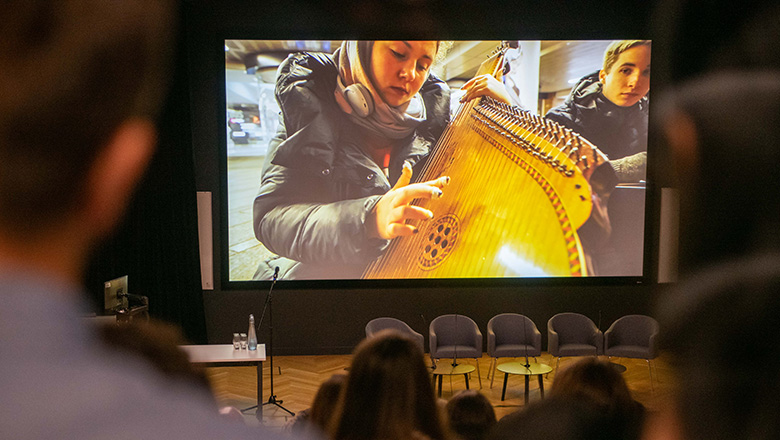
415	231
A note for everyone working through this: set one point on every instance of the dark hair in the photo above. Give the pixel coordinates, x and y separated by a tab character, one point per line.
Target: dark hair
388	394
719	317
613	51
554	418
71	72
600	386
593	381
325	401
470	415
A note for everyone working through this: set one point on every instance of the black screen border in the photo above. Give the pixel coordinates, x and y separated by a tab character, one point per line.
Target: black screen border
210	24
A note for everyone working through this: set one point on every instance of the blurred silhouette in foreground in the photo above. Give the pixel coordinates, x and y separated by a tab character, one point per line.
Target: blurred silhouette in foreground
719	329
81	84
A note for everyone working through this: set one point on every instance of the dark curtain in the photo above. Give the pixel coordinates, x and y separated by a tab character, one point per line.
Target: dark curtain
157	244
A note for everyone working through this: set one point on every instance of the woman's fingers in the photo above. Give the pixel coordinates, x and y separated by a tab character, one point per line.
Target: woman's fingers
400	230
394	208
431	189
441	182
470	82
410	212
400	214
472	87
406	176
416	191
485	85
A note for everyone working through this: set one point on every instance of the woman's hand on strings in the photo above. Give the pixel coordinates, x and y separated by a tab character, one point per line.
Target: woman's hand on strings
394	208
485	85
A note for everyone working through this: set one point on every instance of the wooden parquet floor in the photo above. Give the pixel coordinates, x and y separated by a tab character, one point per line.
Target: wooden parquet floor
301	376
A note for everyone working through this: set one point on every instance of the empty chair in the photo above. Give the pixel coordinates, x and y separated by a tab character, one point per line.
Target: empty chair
573	334
633	336
455	336
378	324
511	335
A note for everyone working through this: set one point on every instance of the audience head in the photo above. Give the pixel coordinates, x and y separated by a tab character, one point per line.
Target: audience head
80	81
470	415
325	401
719	329
593	381
600	386
388	394
554	418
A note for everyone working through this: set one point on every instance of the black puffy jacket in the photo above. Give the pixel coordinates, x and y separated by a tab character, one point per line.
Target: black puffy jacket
318	184
619	132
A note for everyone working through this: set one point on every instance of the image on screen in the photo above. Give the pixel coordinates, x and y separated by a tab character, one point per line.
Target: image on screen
435	160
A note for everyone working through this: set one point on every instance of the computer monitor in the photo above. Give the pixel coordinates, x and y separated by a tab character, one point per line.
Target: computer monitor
114	294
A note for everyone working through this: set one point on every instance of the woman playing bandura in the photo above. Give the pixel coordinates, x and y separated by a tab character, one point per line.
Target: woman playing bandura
335	184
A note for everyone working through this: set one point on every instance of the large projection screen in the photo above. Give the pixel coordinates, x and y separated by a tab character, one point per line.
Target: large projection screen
528	197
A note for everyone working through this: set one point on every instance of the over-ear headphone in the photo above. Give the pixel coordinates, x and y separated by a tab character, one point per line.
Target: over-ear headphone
358	96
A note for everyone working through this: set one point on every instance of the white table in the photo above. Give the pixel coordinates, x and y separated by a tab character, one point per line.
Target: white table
224	355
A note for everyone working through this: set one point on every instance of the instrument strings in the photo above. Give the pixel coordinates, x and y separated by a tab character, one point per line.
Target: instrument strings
506	166
436	161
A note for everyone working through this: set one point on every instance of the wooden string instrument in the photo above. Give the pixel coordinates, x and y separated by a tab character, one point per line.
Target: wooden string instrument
520	188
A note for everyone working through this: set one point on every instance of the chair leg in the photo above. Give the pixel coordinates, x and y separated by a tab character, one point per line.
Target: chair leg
479	375
494	363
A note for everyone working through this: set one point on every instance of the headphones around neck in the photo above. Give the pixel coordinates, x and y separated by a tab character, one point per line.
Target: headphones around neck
358	96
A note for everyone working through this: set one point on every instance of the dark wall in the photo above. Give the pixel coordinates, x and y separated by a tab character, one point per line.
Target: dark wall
156	245
332	320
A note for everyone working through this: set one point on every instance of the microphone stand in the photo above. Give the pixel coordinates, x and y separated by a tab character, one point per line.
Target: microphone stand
455	358
525	344
269	304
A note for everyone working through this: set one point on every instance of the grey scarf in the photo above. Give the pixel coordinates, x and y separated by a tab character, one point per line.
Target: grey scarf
390	122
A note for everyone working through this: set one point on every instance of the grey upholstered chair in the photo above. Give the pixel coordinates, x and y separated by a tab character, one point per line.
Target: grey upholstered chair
573	334
378	324
455	336
511	335
633	336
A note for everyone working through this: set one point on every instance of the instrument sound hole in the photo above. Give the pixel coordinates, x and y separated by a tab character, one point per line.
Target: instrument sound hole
442	235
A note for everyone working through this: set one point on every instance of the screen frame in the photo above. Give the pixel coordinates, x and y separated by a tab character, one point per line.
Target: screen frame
210	42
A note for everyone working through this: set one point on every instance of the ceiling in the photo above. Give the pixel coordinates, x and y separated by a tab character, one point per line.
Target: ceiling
560	61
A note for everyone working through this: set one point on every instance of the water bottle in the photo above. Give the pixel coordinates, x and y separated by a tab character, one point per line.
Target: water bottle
252	338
